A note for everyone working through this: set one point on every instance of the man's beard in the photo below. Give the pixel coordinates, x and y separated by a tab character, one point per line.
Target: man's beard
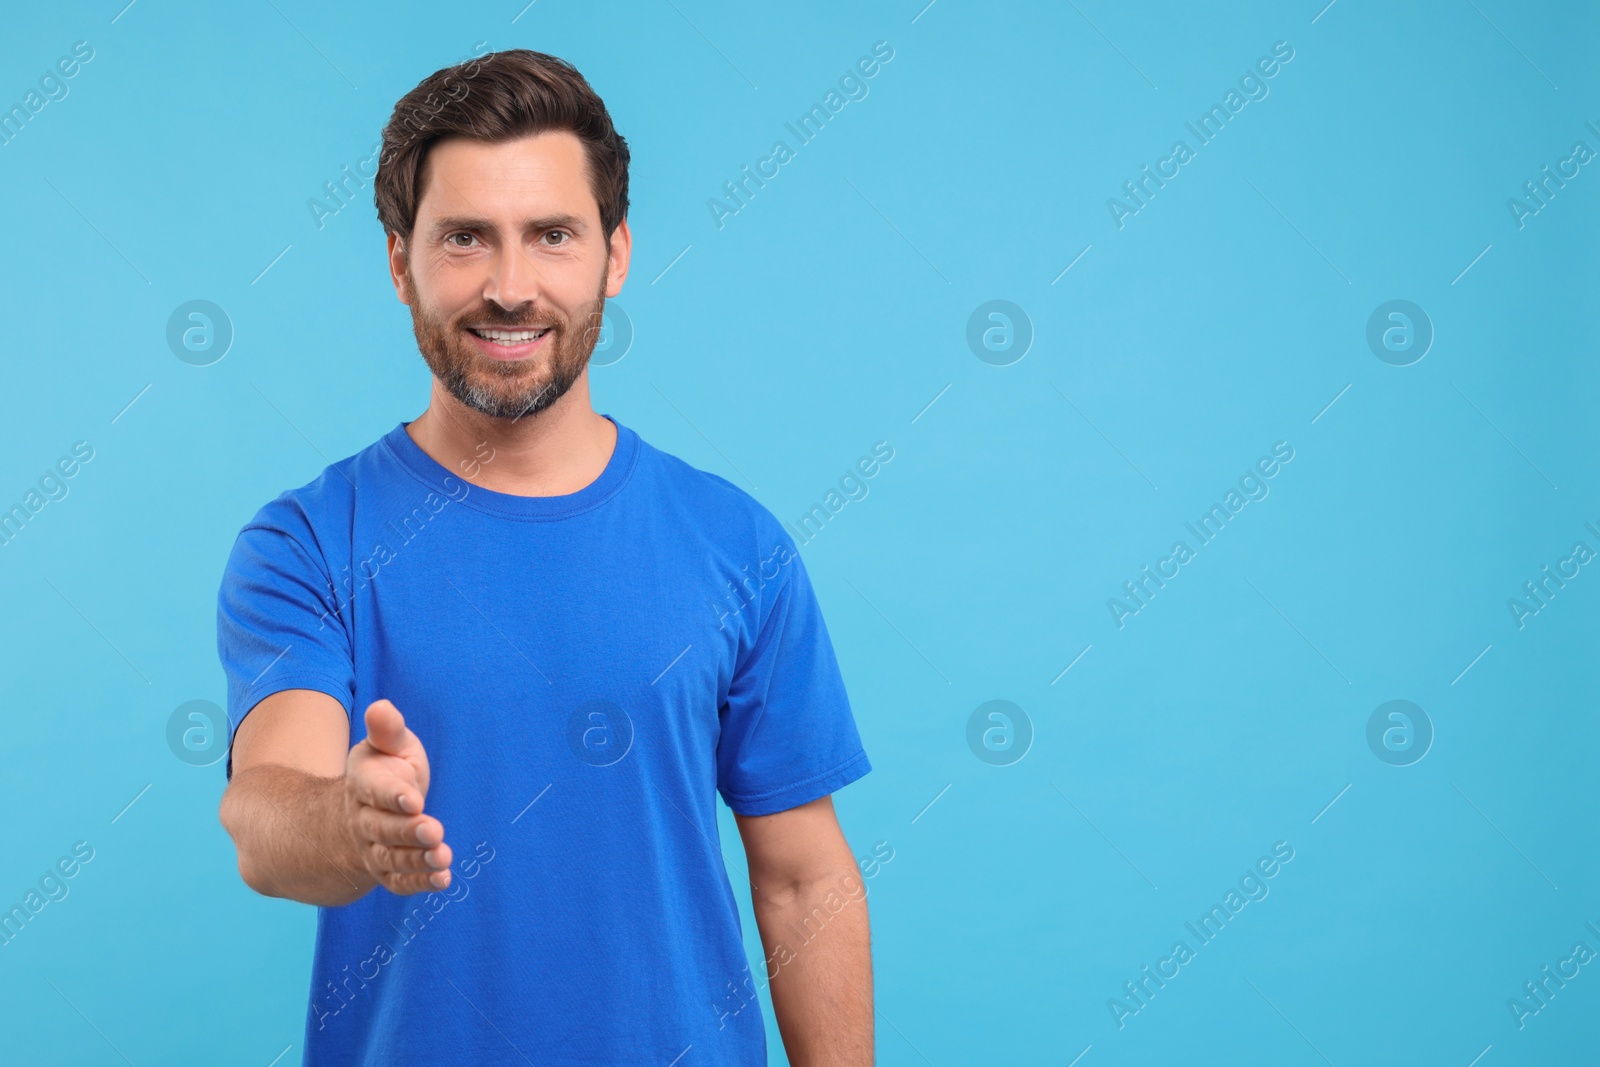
515	389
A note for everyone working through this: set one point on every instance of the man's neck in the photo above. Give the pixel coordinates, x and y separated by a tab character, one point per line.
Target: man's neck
556	452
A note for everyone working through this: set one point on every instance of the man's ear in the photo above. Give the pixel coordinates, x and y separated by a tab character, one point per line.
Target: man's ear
618	258
397	268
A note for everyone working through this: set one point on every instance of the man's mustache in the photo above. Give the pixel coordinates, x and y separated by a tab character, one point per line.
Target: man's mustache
496	323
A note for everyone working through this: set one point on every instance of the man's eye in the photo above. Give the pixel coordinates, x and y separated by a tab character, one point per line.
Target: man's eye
453	236
560	233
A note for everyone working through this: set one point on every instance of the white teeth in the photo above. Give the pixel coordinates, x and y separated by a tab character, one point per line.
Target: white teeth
510	337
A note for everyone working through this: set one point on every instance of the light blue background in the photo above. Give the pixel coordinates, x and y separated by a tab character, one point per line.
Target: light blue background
826	316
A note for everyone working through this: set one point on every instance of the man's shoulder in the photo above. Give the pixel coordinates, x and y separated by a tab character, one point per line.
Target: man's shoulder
711	502
309	512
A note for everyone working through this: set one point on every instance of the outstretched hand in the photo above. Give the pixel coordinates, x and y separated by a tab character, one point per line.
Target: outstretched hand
386	784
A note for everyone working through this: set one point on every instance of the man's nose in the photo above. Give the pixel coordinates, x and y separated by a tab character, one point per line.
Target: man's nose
514	280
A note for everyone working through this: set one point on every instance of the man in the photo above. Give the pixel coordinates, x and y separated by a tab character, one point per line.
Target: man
564	642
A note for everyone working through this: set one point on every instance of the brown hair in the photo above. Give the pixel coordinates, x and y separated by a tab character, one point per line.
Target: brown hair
495	98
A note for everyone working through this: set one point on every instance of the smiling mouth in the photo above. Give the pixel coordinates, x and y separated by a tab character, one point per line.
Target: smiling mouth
509	345
509	337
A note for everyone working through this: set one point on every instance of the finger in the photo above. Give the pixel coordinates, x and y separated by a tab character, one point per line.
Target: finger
398	859
381	787
389	828
407	884
404	882
386	728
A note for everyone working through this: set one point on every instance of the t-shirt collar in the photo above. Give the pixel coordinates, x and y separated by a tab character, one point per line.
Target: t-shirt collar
451	484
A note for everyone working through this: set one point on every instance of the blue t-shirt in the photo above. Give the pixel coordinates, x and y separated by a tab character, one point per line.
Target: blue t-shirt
586	672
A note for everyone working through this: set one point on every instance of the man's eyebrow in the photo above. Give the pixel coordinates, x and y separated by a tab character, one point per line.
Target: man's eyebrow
451	223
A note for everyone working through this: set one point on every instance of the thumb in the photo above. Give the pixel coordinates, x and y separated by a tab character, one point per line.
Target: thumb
386	728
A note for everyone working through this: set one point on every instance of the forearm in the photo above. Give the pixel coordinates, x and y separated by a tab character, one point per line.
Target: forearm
819	952
290	831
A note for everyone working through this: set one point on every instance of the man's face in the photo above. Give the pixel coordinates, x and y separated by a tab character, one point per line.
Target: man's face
508	241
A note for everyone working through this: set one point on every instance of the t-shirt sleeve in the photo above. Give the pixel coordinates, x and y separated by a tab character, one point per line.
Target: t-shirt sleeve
278	624
788	735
